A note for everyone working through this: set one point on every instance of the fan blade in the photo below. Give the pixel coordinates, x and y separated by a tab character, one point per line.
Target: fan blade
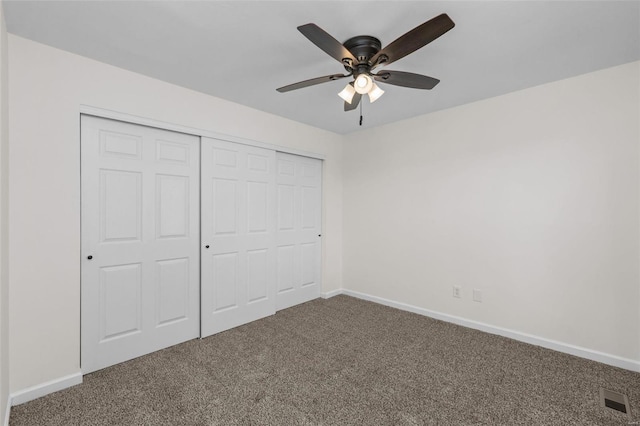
354	102
414	39
326	42
311	82
406	79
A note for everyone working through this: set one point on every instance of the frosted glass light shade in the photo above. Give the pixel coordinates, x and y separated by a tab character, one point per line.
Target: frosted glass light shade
363	84
347	93
375	93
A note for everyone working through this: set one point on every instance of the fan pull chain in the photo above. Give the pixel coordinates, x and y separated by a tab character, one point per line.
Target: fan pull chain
361	112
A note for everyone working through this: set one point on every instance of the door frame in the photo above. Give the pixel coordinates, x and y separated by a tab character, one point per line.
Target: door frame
149	122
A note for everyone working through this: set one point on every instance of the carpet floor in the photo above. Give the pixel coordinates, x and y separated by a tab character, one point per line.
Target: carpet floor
343	361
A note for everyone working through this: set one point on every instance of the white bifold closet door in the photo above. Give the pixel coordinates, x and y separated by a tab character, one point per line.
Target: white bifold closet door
238	235
140	240
298	246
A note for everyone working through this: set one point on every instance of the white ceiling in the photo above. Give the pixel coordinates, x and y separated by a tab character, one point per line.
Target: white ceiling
243	51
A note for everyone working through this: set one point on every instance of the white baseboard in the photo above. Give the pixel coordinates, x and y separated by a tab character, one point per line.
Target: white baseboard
328	294
613	360
46	388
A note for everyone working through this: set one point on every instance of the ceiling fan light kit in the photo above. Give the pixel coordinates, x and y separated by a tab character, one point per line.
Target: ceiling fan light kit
360	55
375	93
348	93
363	84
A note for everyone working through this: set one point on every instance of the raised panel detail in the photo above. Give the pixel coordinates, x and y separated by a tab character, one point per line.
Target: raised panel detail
120	291
257	163
257	207
285	207
225	205
308	261
172	206
172	152
257	275
120	145
225	280
286	168
309	170
285	259
172	298
309	207
225	157
120	205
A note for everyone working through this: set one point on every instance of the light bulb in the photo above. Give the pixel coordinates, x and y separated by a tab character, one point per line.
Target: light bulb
375	93
363	84
347	93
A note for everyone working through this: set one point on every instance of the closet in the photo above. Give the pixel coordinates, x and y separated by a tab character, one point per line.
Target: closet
186	236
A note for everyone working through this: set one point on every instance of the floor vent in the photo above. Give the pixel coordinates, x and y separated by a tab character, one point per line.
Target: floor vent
614	401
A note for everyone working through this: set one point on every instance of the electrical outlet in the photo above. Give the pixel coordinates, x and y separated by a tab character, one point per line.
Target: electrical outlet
457	291
477	295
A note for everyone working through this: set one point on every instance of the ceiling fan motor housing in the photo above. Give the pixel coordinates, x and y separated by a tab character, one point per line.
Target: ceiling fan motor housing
363	47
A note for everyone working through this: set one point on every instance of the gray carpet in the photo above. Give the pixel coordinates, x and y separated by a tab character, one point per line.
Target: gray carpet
343	361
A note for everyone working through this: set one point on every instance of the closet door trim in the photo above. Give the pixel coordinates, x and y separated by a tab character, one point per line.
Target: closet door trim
149	122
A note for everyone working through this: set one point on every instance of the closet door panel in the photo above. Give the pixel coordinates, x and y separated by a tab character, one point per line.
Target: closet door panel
238	235
140	240
298	246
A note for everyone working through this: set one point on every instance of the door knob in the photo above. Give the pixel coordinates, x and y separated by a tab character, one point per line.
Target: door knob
89	257
207	246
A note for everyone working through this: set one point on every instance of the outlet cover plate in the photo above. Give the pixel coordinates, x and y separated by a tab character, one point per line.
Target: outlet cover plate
457	291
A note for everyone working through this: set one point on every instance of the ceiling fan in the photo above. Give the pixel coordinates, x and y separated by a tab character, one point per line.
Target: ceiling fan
360	55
